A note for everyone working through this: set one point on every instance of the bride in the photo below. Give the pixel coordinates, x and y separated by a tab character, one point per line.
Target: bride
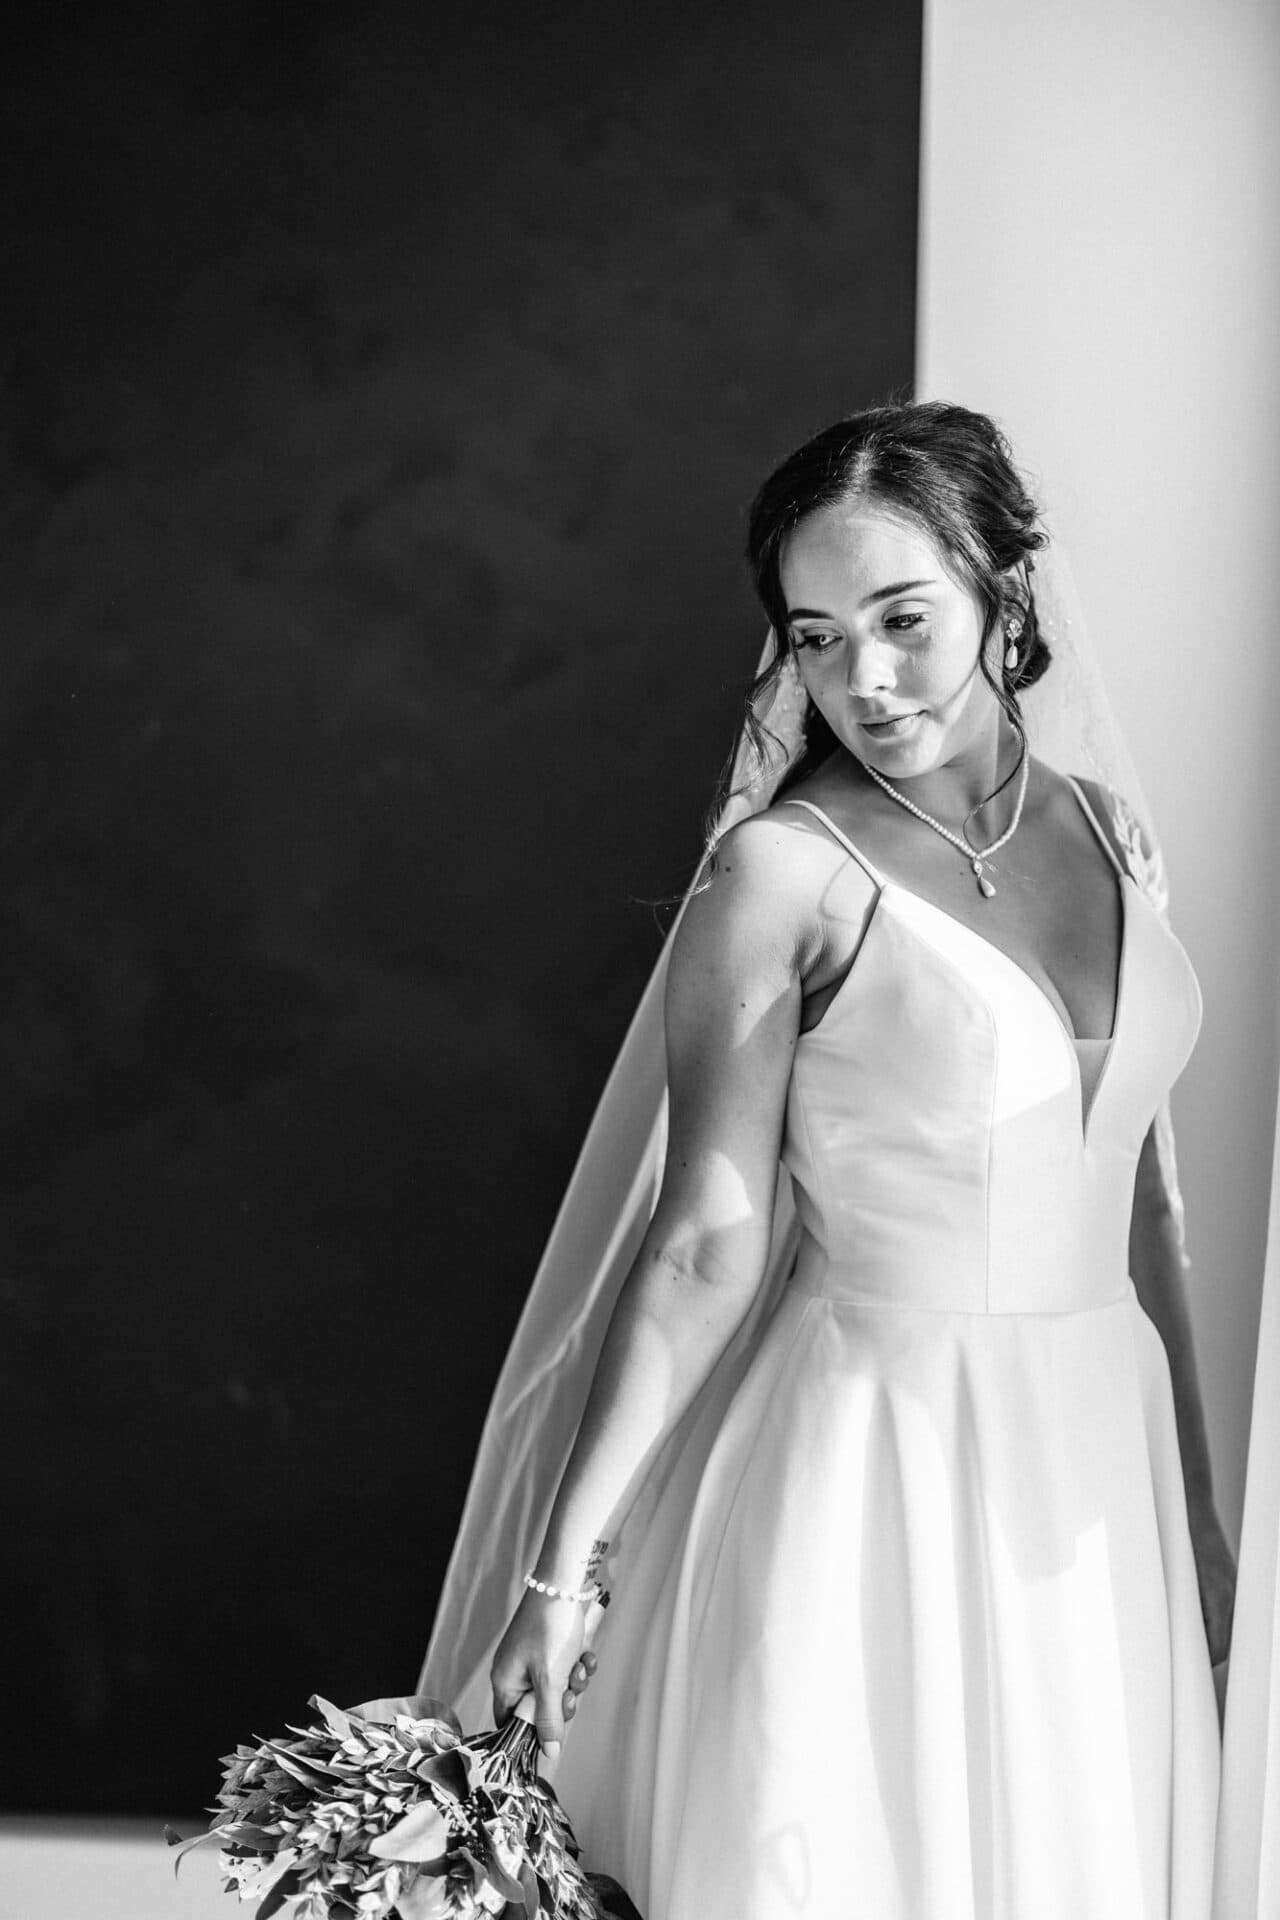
882	1420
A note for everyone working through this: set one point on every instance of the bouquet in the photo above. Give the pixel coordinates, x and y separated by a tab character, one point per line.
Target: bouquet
387	1812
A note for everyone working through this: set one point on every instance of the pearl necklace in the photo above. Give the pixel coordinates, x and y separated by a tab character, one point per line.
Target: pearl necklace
976	856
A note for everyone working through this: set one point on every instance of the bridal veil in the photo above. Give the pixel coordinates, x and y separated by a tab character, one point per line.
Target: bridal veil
541	1391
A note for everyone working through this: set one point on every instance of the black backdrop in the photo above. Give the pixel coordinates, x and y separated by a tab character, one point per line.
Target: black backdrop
384	388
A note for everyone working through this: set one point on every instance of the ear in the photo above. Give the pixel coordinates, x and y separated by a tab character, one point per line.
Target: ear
1017	589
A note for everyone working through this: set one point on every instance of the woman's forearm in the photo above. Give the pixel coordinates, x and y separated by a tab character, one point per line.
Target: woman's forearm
1155	1263
670	1326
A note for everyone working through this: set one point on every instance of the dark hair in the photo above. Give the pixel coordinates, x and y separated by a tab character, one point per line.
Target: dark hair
947	470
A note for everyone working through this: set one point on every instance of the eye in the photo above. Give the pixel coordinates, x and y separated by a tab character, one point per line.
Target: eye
904	622
814	642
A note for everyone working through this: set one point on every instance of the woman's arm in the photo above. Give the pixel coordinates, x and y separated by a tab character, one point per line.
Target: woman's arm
1155	1262
733	1004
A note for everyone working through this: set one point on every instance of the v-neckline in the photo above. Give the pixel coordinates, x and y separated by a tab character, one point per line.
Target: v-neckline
953	919
885	885
1127	881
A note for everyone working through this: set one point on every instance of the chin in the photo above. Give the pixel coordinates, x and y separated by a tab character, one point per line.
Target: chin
913	753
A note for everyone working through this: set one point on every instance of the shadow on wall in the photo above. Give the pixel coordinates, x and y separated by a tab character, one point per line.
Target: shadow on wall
384	399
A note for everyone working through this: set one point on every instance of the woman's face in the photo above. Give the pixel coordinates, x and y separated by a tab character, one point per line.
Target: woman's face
887	642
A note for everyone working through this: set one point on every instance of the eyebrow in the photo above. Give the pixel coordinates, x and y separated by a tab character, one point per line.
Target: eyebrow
881	593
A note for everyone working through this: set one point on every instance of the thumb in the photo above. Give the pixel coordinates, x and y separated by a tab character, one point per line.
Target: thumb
509	1682
549	1716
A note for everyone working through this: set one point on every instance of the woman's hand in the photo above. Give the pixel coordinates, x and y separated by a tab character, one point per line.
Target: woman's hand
1216	1571
541	1652
1156	1265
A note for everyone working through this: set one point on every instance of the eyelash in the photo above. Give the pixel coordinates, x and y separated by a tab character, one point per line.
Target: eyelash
899	622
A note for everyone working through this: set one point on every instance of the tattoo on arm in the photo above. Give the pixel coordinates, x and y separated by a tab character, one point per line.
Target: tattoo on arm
599	1548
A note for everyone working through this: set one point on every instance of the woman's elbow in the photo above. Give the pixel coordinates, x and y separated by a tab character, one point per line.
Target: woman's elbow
721	1268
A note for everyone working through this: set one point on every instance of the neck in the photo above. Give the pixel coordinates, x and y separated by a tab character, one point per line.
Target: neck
961	786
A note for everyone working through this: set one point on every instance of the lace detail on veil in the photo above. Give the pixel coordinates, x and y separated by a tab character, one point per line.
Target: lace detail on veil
1145	864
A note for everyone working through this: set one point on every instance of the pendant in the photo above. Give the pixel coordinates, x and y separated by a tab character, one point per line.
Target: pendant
985	887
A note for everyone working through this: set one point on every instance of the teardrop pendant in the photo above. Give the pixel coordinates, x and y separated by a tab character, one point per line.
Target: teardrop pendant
974	855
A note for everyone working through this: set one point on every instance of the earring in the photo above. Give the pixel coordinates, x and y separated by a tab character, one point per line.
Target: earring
1012	631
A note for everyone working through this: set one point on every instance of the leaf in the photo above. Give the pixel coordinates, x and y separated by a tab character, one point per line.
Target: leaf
287	1867
185	1847
529	1885
334	1718
421	1835
495	1868
485	1891
426	1899
287	1884
448	1771
243	1834
611	1898
305	1772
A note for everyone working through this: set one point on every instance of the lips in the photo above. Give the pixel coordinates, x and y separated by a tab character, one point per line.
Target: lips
888	719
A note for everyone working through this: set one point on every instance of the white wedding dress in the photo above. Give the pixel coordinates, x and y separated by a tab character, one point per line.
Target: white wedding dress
923	1639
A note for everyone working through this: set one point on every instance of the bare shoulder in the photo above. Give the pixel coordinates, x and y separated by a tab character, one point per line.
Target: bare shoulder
733	1007
757	906
782	851
781	891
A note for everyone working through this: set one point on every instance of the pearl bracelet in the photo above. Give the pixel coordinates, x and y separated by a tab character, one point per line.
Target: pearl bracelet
594	1592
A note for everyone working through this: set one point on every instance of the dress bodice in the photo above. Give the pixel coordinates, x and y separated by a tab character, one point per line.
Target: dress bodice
942	1147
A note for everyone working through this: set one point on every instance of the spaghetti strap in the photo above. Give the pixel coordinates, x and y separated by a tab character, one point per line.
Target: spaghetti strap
874	872
843	838
1099	830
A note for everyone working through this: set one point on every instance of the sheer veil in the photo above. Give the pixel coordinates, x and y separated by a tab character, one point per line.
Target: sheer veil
536	1406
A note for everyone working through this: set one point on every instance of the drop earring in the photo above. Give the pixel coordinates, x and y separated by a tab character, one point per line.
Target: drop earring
1012	631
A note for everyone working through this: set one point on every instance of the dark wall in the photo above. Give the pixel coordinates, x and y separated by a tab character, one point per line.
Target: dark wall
383	393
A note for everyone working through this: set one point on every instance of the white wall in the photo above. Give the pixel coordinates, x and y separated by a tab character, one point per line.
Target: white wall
1100	270
55	1868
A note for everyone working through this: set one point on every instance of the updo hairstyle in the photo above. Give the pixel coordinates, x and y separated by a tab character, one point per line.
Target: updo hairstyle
948	471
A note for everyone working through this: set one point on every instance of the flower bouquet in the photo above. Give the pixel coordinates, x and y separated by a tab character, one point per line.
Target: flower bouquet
387	1810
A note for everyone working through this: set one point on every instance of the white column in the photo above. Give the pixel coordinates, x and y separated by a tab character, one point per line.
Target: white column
1247	1878
1100	268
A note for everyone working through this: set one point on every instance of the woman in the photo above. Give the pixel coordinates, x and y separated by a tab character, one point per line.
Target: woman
919	1618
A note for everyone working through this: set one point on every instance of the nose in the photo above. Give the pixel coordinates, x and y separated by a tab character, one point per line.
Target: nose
870	667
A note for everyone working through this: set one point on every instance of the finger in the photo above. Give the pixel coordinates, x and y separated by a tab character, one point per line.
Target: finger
578	1677
570	1706
549	1717
589	1660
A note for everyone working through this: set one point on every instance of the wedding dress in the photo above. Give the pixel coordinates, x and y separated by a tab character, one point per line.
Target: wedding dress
924	1640
905	1621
